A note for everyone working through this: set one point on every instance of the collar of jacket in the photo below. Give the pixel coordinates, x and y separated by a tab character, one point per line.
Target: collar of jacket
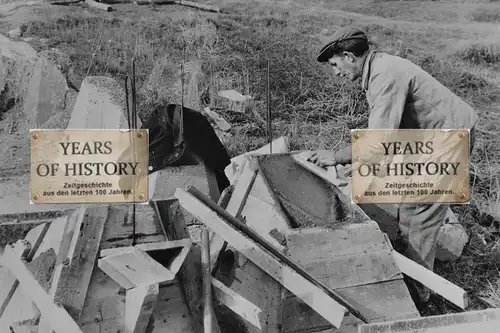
367	64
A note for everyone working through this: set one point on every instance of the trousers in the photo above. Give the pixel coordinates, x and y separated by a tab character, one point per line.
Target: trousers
419	226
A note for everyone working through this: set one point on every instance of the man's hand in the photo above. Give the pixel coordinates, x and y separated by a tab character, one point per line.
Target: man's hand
322	158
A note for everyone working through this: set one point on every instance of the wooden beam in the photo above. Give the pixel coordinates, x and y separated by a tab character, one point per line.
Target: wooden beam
185	245
289	278
134	268
242	188
217	243
236	303
76	260
56	315
139	305
441	286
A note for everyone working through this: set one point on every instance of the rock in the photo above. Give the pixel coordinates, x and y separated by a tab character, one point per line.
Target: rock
17	60
452	239
15	33
100	104
47	91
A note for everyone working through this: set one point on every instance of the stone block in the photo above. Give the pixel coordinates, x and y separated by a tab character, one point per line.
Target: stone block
46	94
452	239
100	104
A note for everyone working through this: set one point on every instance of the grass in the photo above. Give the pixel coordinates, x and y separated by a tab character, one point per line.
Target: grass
481	53
486	15
309	105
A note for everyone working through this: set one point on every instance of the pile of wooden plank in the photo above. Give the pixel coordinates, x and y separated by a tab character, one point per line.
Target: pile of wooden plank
81	272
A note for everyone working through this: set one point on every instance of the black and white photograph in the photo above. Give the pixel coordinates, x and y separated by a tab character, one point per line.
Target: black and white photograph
251	166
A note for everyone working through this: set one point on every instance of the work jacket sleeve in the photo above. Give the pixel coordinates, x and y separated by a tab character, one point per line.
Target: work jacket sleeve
386	97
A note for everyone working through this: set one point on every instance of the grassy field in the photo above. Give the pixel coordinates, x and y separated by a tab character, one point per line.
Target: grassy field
454	40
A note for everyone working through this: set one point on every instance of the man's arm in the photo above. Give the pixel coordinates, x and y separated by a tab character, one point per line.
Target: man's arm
387	99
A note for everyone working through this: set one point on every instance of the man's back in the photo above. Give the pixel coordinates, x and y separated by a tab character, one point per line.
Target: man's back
428	105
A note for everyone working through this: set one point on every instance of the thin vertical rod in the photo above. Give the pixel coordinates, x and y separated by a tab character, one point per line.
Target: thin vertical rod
269	119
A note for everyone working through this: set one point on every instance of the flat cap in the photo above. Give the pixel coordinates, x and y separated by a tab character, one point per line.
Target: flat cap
345	33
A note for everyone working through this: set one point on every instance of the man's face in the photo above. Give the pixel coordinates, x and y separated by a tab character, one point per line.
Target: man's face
345	66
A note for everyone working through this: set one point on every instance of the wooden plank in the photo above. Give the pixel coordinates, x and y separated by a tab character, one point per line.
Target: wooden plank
236	202
76	260
238	304
57	316
263	218
135	267
189	275
146	247
75	276
354	270
253	284
140	303
327	255
9	283
284	274
319	243
441	286
66	248
378	302
471	321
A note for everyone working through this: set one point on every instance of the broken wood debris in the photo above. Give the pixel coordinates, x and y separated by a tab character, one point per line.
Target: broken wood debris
56	315
133	268
10	282
140	303
174	252
324	300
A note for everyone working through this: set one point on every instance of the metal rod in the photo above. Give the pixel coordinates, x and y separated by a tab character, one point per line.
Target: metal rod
269	119
127	101
134	126
255	237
